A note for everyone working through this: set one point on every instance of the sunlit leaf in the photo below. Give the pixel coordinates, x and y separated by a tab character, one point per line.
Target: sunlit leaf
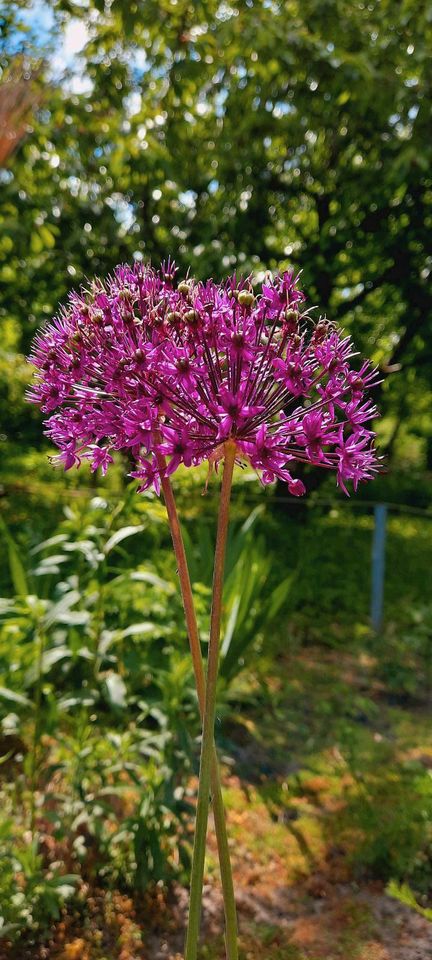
141	629
14	697
121	535
116	690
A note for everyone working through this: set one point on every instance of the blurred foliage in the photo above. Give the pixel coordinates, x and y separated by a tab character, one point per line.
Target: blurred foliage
403	893
406	656
233	136
31	896
97	700
98	711
252	599
388	821
98	707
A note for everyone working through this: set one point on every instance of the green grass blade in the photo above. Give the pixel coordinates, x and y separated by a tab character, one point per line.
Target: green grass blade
16	567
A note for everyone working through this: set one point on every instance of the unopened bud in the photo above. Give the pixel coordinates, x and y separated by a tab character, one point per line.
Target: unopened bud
183	365
245	298
173	317
321	330
191	316
184	287
139	354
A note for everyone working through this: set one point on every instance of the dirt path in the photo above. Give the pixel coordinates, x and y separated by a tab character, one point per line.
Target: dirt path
345	924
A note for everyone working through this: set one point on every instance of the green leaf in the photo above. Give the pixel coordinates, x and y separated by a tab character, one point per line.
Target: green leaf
279	597
76	618
403	893
51	657
14	697
121	535
116	690
58	611
142	576
47	237
107	639
51	542
144	629
16	567
82	698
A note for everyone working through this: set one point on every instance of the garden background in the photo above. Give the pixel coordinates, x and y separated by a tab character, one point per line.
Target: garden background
235	137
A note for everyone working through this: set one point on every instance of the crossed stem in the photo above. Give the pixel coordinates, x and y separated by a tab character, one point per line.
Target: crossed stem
212	776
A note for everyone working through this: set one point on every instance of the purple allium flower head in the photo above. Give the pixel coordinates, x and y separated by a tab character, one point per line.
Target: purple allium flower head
171	371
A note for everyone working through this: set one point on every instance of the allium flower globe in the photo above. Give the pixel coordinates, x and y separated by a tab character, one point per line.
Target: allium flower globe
170	371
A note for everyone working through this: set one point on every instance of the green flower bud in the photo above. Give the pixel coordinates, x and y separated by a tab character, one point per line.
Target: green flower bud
245	298
173	317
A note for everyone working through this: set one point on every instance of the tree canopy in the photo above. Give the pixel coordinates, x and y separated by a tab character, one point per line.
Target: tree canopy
234	136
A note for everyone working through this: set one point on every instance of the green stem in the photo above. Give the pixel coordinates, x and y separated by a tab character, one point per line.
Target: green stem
195	647
207	745
40	640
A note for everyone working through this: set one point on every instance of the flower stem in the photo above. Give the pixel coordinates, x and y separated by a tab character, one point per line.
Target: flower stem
195	647
207	745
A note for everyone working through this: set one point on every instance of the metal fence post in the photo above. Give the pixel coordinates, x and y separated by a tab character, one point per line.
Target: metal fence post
378	565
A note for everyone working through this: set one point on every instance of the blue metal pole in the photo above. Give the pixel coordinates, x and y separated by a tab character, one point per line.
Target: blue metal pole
378	566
